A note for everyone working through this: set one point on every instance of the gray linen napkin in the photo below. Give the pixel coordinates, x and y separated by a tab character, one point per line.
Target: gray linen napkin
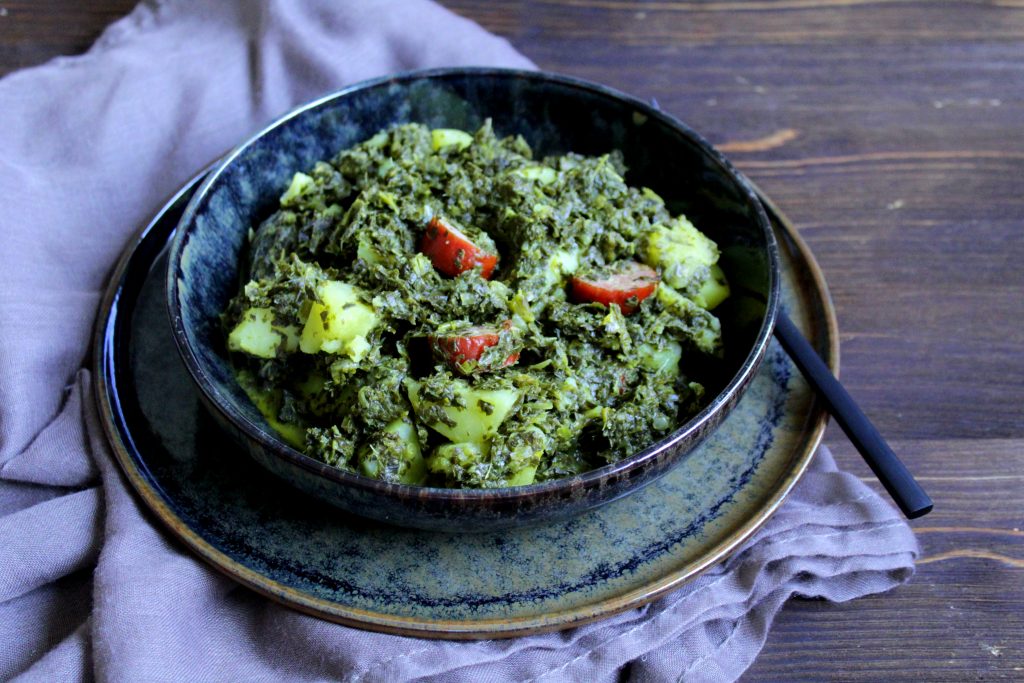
89	587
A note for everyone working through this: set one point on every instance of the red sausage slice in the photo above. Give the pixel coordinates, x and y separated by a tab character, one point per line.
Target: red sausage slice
452	252
469	344
626	283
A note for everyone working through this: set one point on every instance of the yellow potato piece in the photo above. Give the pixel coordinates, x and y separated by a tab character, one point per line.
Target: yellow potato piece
563	262
300	184
340	323
471	424
524	476
416	467
545	175
708	339
714	290
681	252
256	335
661	360
450	137
268	403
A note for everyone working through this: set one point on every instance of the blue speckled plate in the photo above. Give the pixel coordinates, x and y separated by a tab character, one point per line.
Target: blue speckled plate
316	559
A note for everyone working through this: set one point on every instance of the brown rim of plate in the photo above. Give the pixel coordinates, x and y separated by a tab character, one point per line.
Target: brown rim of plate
487	628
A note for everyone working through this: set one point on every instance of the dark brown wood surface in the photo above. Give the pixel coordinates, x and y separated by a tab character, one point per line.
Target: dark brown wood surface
892	134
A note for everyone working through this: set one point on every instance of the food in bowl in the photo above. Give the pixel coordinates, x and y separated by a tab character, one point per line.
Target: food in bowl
435	307
555	115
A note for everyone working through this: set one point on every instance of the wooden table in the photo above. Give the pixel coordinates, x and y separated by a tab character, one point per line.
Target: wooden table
892	133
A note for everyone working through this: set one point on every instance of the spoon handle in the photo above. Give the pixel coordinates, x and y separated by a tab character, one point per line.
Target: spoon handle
893	474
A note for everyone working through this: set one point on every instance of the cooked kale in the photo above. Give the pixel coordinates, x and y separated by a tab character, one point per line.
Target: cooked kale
435	307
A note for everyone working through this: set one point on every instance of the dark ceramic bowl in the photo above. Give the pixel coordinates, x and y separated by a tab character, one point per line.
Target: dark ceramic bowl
555	115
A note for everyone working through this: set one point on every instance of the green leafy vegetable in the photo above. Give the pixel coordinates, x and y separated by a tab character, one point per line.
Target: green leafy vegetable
517	342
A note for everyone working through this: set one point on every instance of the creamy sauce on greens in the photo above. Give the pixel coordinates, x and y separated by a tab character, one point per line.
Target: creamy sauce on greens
440	308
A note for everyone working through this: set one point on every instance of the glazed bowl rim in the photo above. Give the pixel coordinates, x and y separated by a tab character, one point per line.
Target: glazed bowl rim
224	404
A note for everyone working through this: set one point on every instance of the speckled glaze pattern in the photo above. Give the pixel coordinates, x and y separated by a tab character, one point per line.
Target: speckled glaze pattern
556	115
318	559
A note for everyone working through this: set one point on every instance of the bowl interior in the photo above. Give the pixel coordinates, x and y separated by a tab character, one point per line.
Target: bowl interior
554	114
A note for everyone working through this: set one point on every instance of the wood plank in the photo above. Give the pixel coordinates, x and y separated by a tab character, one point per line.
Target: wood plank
977	485
677	24
960	615
953	622
33	32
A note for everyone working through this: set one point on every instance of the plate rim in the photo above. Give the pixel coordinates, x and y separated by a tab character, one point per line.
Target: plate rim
569	617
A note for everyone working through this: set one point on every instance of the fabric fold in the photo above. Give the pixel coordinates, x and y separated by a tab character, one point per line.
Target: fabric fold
47	541
33	624
55	457
70	659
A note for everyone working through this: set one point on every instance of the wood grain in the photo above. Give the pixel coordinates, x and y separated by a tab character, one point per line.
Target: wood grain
32	32
890	132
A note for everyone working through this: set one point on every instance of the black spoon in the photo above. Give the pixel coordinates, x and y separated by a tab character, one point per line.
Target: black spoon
888	468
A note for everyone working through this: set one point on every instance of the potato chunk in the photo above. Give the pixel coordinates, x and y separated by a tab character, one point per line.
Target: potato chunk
269	403
562	262
257	335
524	476
664	359
484	411
394	454
545	175
685	257
301	183
704	328
450	137
714	290
340	324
